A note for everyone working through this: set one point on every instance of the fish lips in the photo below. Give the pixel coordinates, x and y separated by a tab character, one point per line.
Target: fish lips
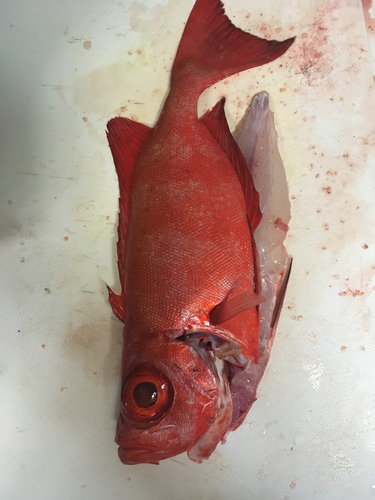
134	456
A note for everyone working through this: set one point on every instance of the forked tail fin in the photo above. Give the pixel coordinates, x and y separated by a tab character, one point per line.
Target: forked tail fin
213	48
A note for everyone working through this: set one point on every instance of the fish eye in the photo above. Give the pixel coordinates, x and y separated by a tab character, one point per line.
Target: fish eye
147	396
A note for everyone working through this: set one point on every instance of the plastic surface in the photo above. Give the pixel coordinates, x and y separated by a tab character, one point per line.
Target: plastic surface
68	67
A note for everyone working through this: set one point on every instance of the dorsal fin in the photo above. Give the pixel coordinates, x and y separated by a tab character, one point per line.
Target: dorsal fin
216	123
125	138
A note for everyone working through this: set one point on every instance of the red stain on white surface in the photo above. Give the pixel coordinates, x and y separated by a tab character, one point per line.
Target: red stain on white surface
312	55
279	224
353	293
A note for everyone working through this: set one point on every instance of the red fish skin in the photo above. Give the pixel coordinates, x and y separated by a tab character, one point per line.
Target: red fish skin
186	246
196	249
187	228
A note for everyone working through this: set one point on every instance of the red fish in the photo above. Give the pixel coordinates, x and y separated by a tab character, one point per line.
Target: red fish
187	257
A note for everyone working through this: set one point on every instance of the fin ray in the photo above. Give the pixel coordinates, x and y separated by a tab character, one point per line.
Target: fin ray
125	138
213	44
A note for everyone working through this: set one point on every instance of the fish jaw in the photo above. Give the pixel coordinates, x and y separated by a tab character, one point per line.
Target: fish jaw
198	404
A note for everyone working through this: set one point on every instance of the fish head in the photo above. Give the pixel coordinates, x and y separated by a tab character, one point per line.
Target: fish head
171	402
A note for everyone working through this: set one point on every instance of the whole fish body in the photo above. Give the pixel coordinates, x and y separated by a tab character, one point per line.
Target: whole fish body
188	260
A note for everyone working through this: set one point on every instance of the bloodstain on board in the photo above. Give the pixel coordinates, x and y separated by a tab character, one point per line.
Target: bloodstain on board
353	293
65	238
96	347
297	318
314	53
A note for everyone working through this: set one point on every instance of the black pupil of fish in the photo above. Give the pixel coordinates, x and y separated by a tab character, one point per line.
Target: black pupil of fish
145	394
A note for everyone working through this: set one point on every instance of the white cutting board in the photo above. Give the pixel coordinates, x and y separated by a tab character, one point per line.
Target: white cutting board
66	68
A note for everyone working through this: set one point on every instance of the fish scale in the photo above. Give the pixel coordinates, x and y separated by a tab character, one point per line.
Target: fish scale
187	206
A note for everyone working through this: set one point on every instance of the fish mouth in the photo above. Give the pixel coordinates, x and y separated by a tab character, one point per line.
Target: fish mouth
134	456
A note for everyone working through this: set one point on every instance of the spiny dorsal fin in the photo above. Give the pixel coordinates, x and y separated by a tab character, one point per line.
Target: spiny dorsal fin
125	138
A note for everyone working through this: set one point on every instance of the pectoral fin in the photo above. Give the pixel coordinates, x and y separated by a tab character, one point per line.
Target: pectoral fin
228	309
